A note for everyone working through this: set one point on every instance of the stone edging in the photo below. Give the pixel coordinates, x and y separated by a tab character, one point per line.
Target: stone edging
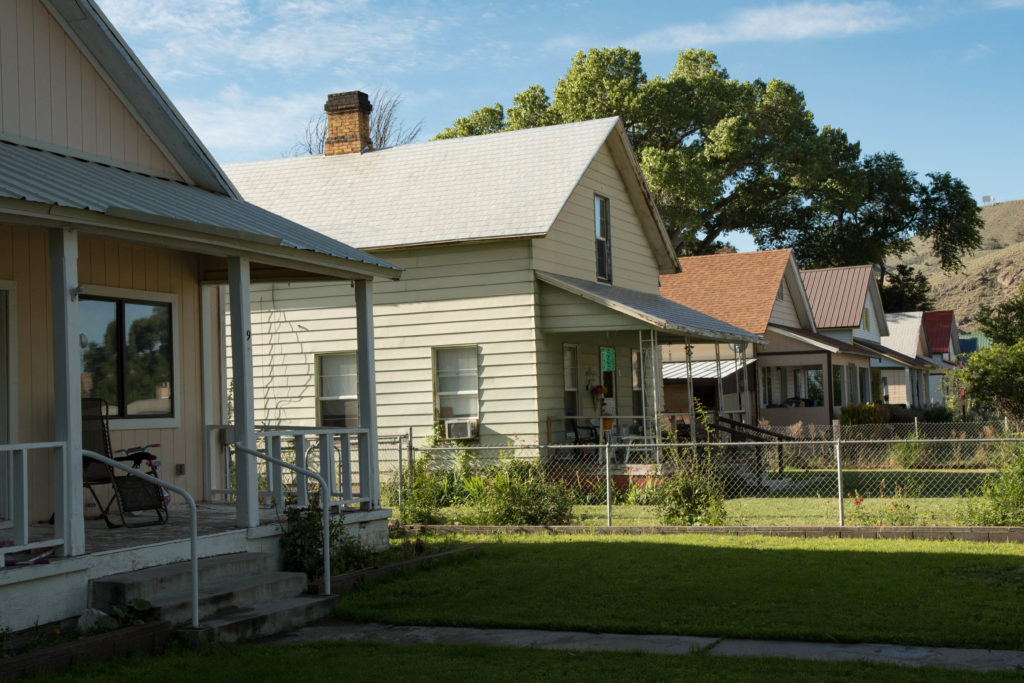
147	638
343	583
983	534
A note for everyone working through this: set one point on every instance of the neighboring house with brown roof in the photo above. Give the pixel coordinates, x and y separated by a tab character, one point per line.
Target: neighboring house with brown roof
788	378
531	261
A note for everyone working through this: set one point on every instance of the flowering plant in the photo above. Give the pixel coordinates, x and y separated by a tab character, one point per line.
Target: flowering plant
598	390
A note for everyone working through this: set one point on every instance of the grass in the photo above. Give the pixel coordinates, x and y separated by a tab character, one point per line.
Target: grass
366	661
833	590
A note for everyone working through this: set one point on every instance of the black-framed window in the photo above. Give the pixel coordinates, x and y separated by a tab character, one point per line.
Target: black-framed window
127	355
603	238
338	390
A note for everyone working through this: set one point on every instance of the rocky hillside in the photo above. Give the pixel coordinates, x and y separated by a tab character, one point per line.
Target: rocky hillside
993	273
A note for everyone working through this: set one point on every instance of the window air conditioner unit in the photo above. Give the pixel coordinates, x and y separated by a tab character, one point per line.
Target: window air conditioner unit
465	428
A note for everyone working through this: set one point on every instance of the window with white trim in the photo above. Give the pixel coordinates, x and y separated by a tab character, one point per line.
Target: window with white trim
603	238
338	390
127	357
456	382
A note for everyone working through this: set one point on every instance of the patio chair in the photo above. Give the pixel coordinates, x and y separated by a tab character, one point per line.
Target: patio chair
131	493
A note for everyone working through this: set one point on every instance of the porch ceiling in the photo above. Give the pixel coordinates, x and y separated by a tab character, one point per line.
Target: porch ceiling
652	310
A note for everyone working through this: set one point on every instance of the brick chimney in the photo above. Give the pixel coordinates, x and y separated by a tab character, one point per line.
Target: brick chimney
348	123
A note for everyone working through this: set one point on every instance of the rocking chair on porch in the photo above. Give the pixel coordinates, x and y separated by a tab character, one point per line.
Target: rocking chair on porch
131	493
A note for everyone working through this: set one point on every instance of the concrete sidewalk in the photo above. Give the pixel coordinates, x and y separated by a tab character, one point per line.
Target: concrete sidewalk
945	657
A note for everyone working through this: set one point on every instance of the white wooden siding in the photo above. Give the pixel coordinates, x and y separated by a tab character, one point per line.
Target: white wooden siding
561	311
872	314
449	296
24	260
50	92
783	312
569	248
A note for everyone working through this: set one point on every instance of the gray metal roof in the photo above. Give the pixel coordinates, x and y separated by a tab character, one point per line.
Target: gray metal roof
497	186
110	51
893	354
905	330
655	310
49	178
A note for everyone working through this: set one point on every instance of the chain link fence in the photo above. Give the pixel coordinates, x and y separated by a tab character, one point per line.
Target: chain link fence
891	475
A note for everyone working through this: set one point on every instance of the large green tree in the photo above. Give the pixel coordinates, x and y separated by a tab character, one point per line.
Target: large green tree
723	155
995	378
1004	322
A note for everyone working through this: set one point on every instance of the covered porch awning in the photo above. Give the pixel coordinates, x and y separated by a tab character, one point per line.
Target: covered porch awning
820	341
636	309
703	369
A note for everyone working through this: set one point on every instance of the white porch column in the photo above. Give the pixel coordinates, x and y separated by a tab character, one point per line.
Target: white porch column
909	386
69	522
369	465
718	378
689	389
246	511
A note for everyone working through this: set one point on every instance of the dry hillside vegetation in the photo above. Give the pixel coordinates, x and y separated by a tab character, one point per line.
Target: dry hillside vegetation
992	274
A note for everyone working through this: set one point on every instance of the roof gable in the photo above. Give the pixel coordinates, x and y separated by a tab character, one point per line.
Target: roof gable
498	186
838	295
738	288
110	55
939	326
906	333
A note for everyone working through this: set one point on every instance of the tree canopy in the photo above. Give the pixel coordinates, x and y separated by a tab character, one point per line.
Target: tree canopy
1004	323
995	378
722	155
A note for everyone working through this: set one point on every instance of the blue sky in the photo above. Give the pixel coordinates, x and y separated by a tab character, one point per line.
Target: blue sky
937	81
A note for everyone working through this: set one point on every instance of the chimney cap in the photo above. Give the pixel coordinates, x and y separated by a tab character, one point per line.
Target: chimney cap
347	101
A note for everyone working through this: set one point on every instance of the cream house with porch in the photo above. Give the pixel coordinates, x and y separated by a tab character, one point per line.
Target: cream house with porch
531	264
115	224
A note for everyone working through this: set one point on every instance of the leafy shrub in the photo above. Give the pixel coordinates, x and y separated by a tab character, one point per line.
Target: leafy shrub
515	491
861	414
692	492
937	414
1002	496
906	453
302	545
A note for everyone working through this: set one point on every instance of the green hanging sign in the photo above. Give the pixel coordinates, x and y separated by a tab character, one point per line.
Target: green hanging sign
607	360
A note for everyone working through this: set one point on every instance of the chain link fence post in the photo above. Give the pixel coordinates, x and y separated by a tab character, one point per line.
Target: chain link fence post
608	479
401	456
839	468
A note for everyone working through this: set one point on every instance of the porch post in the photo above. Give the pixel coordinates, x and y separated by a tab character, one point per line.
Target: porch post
689	389
246	512
718	376
369	476
69	522
909	386
743	372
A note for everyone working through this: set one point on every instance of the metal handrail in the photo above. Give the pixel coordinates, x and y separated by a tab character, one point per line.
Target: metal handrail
324	507
193	519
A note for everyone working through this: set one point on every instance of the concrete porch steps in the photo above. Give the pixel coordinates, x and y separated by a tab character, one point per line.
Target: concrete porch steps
241	595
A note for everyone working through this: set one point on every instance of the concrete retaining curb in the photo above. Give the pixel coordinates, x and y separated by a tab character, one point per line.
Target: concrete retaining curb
985	534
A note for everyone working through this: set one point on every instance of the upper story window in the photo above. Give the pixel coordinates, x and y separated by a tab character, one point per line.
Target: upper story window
603	238
127	358
865	320
338	392
456	382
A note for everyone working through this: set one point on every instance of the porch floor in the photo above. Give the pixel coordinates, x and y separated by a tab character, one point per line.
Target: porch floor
212	518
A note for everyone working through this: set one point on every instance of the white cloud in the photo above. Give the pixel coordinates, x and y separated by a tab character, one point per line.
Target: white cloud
778	23
976	52
187	38
241	125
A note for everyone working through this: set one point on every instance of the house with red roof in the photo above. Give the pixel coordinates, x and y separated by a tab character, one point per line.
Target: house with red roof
803	372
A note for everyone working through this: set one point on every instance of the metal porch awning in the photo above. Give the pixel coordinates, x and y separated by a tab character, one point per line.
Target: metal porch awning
703	369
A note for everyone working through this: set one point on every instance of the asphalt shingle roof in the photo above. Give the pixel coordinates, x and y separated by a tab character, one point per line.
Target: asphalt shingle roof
464	189
737	288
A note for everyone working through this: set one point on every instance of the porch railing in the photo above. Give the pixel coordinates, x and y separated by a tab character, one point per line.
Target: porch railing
193	528
340	455
325	515
18	454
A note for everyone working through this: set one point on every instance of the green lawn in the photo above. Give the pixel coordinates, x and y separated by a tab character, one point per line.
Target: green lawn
837	590
372	662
